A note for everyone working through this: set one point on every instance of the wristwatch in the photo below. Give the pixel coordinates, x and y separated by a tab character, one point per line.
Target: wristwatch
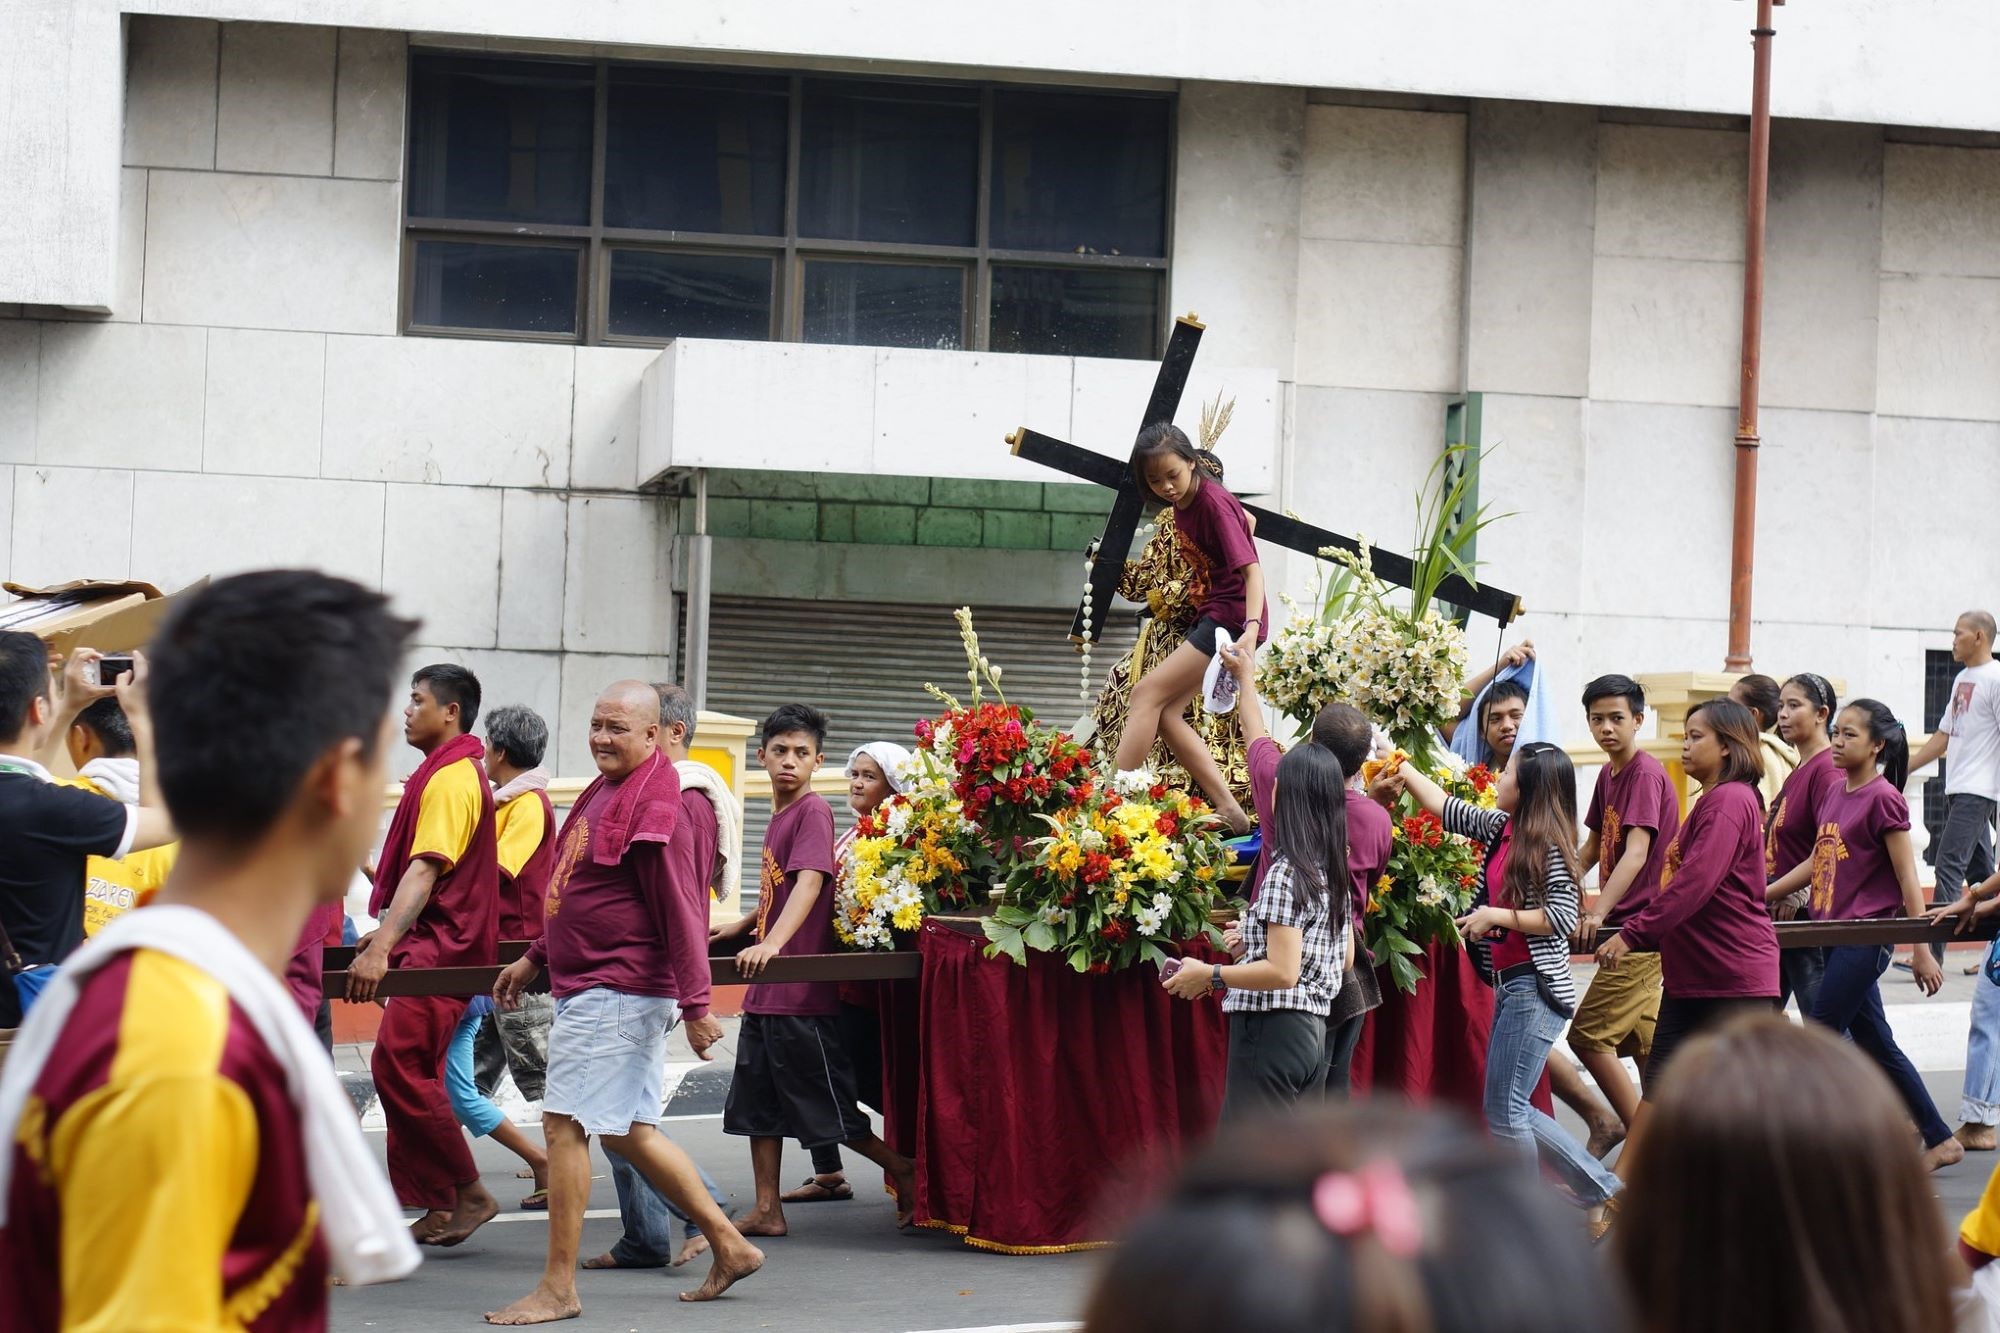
1215	981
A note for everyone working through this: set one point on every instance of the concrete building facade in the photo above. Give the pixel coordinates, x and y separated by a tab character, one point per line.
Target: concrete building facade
214	353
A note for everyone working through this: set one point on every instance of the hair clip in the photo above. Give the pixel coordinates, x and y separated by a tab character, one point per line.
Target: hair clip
1376	1198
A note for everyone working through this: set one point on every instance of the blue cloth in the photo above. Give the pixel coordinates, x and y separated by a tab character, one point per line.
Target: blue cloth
473	1111
31	982
649	1239
1980	1103
1524	1027
1538	723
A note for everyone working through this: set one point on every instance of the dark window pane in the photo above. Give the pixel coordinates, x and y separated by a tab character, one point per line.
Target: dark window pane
695	153
473	285
501	140
1075	311
656	295
885	305
1078	172
889	162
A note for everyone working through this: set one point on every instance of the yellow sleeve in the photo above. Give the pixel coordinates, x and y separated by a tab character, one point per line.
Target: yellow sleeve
1981	1228
518	827
156	1175
447	814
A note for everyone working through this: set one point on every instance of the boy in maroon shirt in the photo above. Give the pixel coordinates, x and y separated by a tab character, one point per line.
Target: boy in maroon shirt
793	1077
1634	814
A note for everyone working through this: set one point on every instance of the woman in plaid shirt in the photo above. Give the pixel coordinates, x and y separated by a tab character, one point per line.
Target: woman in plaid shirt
1294	940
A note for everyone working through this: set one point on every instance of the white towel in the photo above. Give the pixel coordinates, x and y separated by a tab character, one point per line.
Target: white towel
728	819
116	778
366	1235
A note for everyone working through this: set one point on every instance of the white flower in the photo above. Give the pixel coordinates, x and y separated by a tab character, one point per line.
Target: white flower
1054	916
1133	781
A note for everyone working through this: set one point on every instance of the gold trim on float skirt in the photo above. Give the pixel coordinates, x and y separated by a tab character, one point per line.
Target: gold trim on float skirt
980	1243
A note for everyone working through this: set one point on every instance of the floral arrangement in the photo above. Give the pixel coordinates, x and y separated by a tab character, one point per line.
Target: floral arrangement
1132	866
1431	877
918	853
1102	872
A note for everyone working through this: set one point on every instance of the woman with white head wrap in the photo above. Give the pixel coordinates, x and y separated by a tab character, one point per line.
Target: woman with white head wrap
875	772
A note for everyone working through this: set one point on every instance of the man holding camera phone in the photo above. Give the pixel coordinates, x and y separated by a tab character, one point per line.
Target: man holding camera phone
49	831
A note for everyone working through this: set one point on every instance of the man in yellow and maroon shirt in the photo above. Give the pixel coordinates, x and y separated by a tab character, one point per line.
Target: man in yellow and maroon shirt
158	1172
437	904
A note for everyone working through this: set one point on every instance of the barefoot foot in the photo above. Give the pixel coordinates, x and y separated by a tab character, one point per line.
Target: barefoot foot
692	1246
726	1272
611	1261
426	1229
1976	1138
475	1210
1604	1136
1945	1154
906	1194
540	1306
761	1223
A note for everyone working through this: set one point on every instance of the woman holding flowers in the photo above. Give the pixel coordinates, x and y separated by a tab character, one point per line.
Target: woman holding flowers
1294	939
875	772
1519	928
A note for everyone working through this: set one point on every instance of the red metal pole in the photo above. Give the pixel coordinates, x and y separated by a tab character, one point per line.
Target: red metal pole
1743	533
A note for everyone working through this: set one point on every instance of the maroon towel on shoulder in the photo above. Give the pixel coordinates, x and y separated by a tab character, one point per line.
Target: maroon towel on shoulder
644	808
460	926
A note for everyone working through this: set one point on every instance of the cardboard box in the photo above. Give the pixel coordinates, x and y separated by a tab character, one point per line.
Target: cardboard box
112	617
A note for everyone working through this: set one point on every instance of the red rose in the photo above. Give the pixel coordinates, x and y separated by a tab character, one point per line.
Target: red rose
1167	825
1115	931
1157	792
1100	969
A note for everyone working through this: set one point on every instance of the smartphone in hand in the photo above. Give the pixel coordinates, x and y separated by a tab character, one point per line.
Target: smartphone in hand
1169	968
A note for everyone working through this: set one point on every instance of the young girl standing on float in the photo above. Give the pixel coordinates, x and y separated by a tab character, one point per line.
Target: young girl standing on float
1519	929
1294	939
1863	867
1216	535
1806	706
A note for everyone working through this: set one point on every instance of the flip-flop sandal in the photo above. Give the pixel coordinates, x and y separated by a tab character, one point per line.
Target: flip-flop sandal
814	1192
538	1202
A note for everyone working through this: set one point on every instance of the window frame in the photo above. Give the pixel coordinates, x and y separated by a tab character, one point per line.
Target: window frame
789	250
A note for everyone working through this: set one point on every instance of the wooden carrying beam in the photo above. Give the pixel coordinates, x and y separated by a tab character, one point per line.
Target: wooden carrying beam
722	972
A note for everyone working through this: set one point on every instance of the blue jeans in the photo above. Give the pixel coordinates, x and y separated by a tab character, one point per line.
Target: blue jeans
648	1241
1524	1028
474	1111
1980	1104
1850	1002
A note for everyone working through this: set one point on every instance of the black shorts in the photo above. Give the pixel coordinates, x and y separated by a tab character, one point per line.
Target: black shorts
1202	634
1681	1020
793	1080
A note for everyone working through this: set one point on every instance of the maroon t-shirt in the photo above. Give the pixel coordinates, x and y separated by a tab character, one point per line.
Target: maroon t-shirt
799	839
1262	761
1214	524
1370	840
1510	947
1853	878
1788	837
626	927
1640	795
1708	922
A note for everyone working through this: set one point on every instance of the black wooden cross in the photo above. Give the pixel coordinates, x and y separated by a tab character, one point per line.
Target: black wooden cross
1277	529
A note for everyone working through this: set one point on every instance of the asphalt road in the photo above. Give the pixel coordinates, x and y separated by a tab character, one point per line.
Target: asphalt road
846	1267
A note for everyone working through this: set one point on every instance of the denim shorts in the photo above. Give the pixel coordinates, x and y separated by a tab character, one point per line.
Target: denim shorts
607	1059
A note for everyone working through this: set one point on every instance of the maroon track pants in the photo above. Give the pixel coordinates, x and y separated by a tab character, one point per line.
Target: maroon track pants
428	1155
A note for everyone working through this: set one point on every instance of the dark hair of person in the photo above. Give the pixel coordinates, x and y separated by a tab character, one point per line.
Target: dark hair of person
1760	695
24	678
676	705
795	717
1736	729
319	652
1883	727
104	719
1344	729
1500	692
1243	1240
450	684
1815	1148
1544	819
1616	687
518	732
1309	824
1820	690
1157	441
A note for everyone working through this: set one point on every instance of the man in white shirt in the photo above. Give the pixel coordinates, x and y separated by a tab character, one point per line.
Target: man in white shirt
1969	733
